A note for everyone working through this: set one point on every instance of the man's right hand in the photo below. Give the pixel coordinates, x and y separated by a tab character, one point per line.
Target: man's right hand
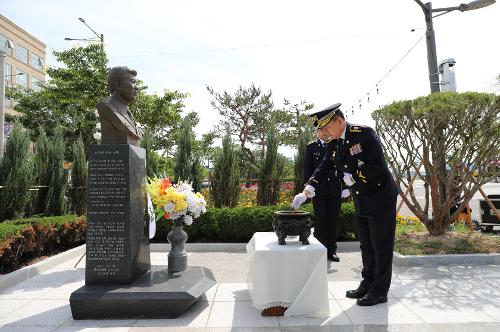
298	200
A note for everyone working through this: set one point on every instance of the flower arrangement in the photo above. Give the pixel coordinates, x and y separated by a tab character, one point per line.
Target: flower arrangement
176	202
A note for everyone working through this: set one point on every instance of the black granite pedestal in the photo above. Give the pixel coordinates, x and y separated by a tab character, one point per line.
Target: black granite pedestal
117	226
157	294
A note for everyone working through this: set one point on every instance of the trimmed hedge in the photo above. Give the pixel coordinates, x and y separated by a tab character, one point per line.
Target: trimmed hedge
238	224
24	239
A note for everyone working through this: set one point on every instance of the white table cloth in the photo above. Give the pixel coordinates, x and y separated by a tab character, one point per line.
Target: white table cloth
291	275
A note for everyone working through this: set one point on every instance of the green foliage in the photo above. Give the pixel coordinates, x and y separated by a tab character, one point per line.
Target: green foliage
68	100
79	179
298	169
196	175
160	115
147	143
16	174
165	165
225	180
454	136
268	172
55	201
247	114
294	122
240	223
42	170
182	170
278	176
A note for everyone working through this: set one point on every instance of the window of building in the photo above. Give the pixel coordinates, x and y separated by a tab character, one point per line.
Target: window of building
22	78
8	72
3	45
36	61
22	53
35	83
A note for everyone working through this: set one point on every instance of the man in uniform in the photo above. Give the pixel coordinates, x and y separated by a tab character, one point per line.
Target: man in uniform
357	153
326	201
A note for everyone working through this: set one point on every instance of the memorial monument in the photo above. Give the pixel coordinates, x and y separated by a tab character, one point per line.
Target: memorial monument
119	279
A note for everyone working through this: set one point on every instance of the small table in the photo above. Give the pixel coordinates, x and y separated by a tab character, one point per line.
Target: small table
293	276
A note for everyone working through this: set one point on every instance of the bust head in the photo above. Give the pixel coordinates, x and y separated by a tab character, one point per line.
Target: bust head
122	84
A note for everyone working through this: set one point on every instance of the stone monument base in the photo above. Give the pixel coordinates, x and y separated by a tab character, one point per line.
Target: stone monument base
157	294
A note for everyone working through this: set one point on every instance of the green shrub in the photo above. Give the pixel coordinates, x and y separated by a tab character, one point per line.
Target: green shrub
23	239
225	178
238	224
42	170
298	167
79	179
56	203
182	170
267	170
16	174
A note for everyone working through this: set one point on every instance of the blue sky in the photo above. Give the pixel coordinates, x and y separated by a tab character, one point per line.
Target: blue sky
319	51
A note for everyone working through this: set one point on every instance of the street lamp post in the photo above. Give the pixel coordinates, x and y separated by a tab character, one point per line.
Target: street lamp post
99	36
431	39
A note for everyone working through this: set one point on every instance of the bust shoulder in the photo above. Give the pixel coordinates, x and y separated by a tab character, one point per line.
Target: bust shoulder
105	105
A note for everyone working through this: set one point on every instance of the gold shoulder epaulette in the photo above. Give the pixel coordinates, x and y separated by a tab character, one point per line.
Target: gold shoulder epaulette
355	129
311	142
329	140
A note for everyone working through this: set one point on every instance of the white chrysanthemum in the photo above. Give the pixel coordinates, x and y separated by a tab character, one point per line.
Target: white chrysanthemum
191	201
184	187
188	220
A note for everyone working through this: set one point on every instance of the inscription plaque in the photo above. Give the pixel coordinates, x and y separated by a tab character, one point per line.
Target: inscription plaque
117	233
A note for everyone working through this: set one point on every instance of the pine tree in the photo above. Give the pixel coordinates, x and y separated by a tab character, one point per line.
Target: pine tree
42	179
225	181
278	178
16	174
79	179
196	174
298	168
267	173
56	203
182	170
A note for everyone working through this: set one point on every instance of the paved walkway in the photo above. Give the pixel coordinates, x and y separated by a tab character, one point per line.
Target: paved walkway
446	298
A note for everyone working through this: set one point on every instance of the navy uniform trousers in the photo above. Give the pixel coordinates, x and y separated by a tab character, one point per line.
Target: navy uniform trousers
326	202
374	194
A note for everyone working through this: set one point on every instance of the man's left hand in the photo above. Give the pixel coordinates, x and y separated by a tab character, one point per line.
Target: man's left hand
348	180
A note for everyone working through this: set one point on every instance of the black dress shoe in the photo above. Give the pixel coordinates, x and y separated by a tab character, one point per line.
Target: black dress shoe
333	257
370	299
356	293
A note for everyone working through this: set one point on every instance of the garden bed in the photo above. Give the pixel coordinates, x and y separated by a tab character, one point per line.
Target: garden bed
415	240
26	241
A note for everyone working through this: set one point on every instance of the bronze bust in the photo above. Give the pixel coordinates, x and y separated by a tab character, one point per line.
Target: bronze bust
117	123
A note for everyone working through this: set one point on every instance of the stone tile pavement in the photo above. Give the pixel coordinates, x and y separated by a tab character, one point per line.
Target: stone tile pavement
433	298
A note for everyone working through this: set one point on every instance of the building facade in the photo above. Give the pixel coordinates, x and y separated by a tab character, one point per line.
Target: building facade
24	63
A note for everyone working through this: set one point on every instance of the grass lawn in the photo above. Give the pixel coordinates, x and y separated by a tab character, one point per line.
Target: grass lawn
415	240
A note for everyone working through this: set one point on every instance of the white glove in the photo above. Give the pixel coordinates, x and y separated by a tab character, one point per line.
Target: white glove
345	193
298	200
348	180
310	191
